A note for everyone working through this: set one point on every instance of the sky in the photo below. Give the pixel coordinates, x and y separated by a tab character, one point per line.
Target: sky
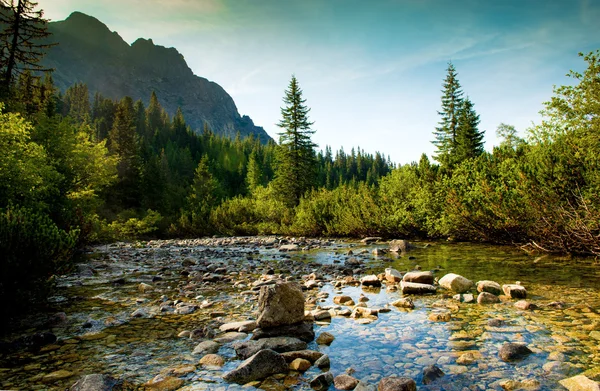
371	71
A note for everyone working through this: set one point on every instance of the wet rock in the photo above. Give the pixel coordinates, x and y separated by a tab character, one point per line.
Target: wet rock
525	305
514	291
442	316
325	338
464	298
393	276
259	366
244	326
323	362
419	277
143	287
580	383
456	283
321	314
185	308
300	365
487	298
404	302
400	245
246	349
321	382
163	383
94	382
343	300
489	286
212	360
289	247
496	322
466	359
370	239
230	337
56	376
362	386
310	355
379	251
413	288
431	373
345	382
303	331
280	304
397	384
514	351
370	280
206	347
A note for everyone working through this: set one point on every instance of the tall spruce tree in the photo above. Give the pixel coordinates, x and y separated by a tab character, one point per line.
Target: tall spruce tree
296	168
23	41
446	132
469	140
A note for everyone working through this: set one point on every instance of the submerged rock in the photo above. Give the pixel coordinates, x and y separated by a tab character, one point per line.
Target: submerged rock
404	302
580	383
94	382
514	351
322	382
397	384
345	382
259	366
431	373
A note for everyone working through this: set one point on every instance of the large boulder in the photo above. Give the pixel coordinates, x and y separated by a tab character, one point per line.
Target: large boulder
489	286
94	382
303	331
280	304
397	384
513	351
400	246
419	277
514	291
455	283
413	288
246	349
259	366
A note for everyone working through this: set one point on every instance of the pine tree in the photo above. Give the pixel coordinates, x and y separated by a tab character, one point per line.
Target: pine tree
254	175
469	140
446	133
296	168
23	40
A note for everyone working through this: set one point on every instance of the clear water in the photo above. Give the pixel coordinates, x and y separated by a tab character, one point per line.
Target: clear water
400	342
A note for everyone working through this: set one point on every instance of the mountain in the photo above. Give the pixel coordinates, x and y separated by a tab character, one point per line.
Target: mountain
89	52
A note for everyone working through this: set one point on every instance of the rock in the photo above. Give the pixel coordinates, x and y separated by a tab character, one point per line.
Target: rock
496	322
345	382
94	382
303	331
431	373
513	351
259	366
244	326
514	291
464	298
489	286
413	288
280	304
419	277
206	347
397	384
143	287
379	251
343	300
56	376
393	276
455	283
212	360
362	386
400	245
487	298
311	355
466	359
370	280
230	337
322	382
443	316
323	362
163	383
371	239
246	349
325	338
404	302
289	247
300	365
139	313
580	383
525	305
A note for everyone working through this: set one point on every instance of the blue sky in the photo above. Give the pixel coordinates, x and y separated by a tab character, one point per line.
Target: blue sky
371	71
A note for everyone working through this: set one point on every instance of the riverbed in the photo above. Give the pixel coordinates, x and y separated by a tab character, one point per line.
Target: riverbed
137	310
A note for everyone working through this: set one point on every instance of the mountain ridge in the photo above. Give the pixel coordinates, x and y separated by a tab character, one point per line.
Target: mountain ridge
89	52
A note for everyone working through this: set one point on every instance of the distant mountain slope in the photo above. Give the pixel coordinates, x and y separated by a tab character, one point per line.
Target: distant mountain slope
89	52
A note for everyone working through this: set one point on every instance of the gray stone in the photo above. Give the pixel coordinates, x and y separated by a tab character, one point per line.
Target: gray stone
325	338
206	347
289	247
419	277
413	288
400	245
259	366
322	382
513	351
246	349
303	331
94	382
489	286
456	283
362	386
244	326
397	384
311	355
280	304
323	362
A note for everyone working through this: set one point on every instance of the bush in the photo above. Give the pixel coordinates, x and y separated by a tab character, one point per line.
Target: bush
33	248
